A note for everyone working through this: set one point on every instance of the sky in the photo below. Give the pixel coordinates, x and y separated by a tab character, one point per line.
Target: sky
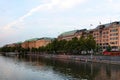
26	19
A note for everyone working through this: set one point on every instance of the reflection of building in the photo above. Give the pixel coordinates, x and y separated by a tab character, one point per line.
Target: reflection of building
108	72
104	35
36	42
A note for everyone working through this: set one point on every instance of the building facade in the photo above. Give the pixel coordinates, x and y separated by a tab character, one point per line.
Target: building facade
108	35
30	43
42	42
25	45
105	35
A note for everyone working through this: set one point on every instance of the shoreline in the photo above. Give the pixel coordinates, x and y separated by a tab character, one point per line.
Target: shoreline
83	58
87	58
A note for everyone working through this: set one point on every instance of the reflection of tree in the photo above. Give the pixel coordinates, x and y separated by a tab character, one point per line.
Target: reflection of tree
108	70
75	69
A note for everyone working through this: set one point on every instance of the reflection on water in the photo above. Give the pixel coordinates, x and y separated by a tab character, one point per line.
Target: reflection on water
37	68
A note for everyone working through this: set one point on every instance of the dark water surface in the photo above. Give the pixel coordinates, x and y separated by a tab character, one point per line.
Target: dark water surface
36	68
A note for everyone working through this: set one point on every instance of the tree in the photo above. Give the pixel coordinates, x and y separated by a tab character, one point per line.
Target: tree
61	45
82	44
90	43
74	45
109	48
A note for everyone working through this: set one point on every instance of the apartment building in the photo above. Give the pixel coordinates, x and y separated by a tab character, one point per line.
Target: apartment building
108	34
104	35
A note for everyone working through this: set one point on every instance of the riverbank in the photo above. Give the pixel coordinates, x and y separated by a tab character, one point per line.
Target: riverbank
85	58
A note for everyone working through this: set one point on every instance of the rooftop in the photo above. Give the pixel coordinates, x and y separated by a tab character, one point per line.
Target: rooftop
69	33
46	38
72	32
43	38
107	25
33	39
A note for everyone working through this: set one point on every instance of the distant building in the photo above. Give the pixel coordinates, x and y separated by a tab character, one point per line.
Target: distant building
36	42
14	44
104	35
25	45
43	42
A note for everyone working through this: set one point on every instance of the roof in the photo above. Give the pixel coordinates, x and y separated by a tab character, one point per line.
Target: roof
18	42
33	39
69	33
103	25
46	38
82	30
43	38
72	32
107	25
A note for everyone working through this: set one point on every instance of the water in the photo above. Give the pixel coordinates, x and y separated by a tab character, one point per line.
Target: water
36	68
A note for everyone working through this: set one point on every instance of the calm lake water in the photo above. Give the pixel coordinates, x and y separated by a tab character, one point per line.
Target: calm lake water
36	68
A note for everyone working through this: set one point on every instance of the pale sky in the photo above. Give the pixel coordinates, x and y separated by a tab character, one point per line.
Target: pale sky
25	19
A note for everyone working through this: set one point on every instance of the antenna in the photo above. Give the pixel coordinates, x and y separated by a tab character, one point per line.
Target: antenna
99	22
110	20
91	25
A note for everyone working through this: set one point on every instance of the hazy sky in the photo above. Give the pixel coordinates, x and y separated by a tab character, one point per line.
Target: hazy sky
25	19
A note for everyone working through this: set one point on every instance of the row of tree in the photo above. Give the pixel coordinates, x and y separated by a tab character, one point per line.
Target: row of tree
74	46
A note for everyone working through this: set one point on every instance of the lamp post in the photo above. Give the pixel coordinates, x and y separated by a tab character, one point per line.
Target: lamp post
91	56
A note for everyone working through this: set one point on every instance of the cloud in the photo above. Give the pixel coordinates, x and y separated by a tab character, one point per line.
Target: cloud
48	5
60	4
10	29
64	4
110	1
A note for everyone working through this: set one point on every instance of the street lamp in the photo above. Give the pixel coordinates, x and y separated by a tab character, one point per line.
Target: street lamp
91	56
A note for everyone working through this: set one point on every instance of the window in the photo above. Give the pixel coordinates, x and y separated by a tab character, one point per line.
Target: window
114	30
115	38
114	34
114	42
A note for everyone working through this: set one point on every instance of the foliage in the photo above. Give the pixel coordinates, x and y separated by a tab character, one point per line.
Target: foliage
74	46
108	48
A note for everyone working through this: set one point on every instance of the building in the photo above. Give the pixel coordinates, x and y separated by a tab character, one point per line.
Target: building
43	42
105	35
30	43
18	44
108	34
25	45
36	42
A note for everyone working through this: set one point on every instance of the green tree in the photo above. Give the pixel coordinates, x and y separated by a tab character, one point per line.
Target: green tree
82	44
109	48
90	43
74	45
